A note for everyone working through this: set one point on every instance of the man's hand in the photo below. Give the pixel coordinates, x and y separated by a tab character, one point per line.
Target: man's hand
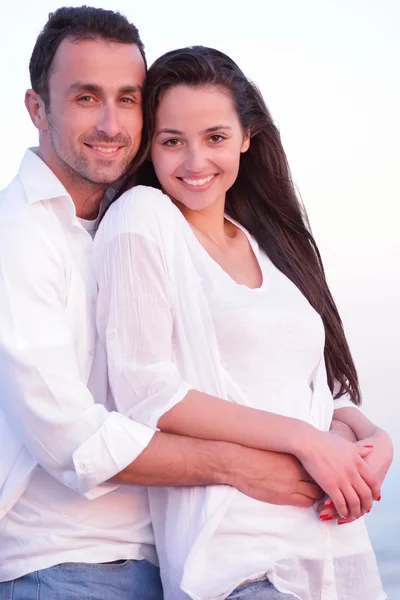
272	477
173	460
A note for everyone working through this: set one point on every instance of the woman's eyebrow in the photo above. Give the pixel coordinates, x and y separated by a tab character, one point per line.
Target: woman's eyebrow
208	130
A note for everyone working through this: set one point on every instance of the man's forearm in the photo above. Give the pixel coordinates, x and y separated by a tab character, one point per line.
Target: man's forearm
173	460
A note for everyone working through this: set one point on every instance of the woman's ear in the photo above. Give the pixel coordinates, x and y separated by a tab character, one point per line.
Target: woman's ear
246	141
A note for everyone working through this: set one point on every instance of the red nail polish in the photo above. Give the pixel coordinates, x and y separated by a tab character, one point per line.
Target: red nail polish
368	446
323	516
327	519
379	497
341	522
328	503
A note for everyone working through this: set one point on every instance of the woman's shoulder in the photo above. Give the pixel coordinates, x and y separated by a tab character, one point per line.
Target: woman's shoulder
143	200
141	209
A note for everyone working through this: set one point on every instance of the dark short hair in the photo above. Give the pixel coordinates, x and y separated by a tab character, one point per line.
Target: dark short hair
76	23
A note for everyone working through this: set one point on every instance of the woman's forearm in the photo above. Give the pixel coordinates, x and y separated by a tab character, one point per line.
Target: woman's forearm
206	417
362	427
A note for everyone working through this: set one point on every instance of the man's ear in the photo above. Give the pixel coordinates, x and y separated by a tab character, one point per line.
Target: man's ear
36	109
246	141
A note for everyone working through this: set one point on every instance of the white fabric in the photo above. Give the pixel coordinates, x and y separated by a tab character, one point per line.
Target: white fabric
154	318
48	416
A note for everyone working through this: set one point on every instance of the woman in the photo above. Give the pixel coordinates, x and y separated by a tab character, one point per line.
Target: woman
219	324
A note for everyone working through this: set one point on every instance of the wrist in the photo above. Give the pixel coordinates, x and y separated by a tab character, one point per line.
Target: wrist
306	444
227	459
301	439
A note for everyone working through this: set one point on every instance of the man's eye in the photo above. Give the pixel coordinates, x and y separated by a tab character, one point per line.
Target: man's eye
127	100
85	99
172	143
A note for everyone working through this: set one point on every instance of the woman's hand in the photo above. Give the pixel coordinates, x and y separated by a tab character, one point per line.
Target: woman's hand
339	468
378	460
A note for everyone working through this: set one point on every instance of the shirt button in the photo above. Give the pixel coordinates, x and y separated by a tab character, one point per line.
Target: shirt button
111	335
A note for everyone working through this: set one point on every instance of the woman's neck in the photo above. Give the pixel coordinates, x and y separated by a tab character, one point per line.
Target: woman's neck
211	223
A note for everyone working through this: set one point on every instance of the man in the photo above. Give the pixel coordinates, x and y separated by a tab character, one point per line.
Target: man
68	526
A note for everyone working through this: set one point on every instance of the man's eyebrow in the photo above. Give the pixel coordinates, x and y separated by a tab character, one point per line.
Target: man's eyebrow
81	86
208	130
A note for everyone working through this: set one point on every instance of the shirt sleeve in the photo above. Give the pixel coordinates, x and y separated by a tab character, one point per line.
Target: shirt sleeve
344	401
135	317
43	396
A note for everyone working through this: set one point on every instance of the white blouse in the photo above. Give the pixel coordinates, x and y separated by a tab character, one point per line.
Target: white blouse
172	320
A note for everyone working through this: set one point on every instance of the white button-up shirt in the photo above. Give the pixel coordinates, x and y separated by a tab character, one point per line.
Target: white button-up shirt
53	389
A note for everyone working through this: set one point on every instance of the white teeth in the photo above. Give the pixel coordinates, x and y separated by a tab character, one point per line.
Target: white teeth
198	181
100	149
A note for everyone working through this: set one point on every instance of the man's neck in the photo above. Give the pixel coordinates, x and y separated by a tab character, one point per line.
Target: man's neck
85	195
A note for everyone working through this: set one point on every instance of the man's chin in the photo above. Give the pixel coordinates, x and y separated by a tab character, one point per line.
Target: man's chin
104	177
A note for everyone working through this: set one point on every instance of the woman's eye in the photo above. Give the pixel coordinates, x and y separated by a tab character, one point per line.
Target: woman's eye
216	137
172	143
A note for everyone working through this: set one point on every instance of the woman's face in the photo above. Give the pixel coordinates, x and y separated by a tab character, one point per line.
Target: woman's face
197	144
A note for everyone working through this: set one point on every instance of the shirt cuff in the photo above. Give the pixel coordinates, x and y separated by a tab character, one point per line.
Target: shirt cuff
114	446
182	391
344	403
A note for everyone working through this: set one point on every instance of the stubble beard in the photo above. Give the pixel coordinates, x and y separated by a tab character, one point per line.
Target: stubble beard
77	168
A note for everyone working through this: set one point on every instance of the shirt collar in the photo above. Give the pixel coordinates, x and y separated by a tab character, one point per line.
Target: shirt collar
38	180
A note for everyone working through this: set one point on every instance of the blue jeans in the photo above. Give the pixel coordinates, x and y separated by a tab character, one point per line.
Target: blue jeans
262	589
120	580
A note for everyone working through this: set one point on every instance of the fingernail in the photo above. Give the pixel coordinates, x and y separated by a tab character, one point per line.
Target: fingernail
341	521
328	503
323	515
368	446
379	497
326	518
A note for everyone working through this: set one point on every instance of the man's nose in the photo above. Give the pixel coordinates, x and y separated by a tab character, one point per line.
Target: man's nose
109	122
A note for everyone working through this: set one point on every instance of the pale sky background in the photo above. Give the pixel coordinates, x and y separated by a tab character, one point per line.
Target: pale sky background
329	72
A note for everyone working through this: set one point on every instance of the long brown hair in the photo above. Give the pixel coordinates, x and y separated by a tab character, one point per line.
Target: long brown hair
262	199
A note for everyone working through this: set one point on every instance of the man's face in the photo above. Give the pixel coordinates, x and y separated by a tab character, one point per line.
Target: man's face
94	116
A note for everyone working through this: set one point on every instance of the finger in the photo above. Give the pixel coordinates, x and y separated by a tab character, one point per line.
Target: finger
370	479
346	521
312	490
339	502
328	514
352	500
364	494
363	451
306	477
301	500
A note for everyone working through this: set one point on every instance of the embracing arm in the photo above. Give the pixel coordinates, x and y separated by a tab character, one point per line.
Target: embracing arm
136	320
43	395
174	460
